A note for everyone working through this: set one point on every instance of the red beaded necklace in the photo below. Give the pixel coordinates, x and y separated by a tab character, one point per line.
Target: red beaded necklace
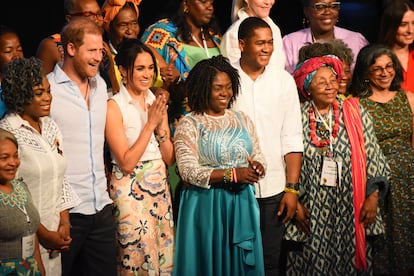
314	138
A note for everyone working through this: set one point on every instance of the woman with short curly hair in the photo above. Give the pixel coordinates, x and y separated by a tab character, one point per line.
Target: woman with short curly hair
26	93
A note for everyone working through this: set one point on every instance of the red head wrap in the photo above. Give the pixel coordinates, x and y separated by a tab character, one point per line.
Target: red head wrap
306	68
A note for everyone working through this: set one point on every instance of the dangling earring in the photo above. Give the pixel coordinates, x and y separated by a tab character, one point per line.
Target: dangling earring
305	22
124	80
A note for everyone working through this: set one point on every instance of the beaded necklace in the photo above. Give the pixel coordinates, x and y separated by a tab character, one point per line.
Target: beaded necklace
320	143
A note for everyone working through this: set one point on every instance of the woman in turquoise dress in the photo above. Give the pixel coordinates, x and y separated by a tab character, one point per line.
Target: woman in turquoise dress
377	82
219	158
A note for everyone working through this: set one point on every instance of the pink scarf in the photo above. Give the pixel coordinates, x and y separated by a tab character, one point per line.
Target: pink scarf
353	125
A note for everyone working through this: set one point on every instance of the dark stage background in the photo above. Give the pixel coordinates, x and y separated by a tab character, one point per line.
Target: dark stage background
33	20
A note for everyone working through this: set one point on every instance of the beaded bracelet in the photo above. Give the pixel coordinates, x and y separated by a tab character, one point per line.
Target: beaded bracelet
289	190
228	176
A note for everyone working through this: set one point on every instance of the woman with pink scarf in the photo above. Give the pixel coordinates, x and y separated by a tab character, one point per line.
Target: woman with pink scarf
342	176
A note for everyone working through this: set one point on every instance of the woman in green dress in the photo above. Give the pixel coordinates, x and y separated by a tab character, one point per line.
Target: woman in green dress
377	82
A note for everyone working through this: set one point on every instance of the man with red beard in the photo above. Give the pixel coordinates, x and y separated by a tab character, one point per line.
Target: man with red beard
79	109
269	97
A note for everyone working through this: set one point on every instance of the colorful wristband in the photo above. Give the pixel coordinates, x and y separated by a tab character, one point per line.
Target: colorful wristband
234	175
292	191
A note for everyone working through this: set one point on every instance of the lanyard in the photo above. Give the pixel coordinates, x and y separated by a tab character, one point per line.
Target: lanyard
204	42
23	209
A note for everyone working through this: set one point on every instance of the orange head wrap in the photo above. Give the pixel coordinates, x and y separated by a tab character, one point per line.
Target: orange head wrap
111	9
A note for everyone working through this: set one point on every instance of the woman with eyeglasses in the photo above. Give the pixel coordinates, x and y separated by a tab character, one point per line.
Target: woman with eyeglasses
343	174
397	32
377	82
321	17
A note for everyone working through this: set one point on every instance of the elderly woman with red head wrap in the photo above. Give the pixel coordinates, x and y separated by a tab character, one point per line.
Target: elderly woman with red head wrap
342	174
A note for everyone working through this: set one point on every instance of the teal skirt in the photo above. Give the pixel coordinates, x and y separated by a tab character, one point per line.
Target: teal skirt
218	233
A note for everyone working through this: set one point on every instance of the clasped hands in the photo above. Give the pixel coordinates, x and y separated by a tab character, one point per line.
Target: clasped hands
56	241
250	174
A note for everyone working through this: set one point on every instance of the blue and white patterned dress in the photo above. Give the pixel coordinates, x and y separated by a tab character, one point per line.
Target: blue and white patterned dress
330	247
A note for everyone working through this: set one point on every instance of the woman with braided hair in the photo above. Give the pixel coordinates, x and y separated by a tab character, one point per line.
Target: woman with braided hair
219	159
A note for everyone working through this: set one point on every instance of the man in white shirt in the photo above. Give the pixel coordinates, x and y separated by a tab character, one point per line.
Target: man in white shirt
79	109
269	96
229	45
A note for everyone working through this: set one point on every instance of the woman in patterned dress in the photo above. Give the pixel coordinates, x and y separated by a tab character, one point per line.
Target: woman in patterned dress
342	175
377	82
138	135
18	215
219	158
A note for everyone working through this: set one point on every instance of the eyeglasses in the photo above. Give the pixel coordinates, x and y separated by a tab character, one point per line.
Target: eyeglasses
91	15
321	7
324	84
378	70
